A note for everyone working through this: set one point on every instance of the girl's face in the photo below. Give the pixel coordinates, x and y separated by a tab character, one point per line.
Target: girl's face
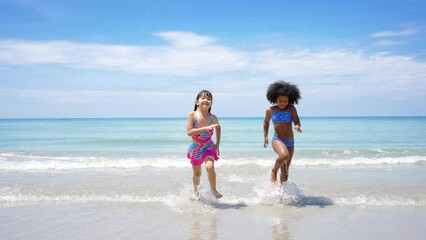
204	102
282	101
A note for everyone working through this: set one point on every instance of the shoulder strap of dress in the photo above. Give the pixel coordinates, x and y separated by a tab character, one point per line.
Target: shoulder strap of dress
211	119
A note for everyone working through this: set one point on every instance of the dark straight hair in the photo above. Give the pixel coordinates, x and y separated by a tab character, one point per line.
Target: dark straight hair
200	94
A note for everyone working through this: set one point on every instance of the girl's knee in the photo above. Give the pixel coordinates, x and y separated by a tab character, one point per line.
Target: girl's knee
283	157
197	173
210	167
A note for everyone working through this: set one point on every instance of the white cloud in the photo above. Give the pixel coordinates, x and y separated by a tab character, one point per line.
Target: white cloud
391	38
396	37
393	33
65	96
182	39
344	65
386	42
187	55
82	96
229	69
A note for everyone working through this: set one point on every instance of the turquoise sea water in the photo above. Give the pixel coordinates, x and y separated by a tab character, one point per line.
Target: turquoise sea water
346	140
347	161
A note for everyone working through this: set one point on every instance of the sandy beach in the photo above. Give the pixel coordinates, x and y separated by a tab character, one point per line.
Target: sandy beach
153	221
301	213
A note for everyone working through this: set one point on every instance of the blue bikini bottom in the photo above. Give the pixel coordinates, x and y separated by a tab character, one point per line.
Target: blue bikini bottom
288	143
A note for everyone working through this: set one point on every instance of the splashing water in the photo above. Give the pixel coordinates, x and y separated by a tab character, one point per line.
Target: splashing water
275	194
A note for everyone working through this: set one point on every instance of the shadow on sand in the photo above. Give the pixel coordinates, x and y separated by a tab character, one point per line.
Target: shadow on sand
224	206
313	201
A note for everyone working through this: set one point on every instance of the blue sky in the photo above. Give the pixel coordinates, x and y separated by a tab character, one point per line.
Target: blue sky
150	58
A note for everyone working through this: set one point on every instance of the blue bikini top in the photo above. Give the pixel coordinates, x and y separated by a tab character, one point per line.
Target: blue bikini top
280	117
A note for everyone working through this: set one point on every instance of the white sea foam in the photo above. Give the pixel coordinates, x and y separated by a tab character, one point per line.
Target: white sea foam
360	161
380	201
183	201
19	161
28	162
236	178
266	194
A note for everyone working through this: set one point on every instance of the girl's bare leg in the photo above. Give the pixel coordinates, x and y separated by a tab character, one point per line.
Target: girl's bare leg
283	155
196	175
285	168
212	177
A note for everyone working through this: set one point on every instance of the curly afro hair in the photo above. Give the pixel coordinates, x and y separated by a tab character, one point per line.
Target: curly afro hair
281	88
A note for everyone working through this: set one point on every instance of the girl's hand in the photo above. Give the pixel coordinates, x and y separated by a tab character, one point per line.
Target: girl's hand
265	142
213	126
217	149
298	128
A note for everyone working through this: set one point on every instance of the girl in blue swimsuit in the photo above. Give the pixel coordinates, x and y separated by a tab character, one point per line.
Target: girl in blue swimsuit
283	96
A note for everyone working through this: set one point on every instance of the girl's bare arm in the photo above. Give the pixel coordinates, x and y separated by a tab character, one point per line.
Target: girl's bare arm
218	129
266	121
296	120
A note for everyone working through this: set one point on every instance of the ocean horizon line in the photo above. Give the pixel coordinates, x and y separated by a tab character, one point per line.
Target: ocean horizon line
180	118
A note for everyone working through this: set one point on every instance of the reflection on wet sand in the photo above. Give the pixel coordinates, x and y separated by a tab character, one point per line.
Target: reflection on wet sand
202	229
279	231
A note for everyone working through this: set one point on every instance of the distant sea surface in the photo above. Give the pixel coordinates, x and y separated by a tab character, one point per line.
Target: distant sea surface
37	144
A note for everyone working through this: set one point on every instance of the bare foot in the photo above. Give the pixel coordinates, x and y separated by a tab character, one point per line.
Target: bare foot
283	178
273	176
216	194
196	192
